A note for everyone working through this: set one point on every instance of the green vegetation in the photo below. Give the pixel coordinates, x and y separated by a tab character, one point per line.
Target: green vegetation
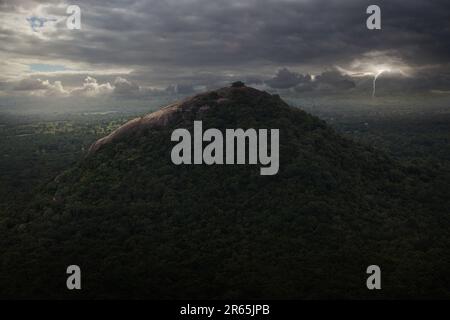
141	227
35	149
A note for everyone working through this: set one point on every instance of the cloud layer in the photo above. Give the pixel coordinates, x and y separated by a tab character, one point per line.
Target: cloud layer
133	47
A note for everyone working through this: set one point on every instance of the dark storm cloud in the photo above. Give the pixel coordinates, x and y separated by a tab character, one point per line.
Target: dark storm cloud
196	41
285	79
334	81
421	82
203	32
331	80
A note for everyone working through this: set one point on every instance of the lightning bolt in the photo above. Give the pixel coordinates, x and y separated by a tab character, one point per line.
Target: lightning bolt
375	82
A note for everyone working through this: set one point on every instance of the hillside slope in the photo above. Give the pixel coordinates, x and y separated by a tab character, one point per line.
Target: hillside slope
142	227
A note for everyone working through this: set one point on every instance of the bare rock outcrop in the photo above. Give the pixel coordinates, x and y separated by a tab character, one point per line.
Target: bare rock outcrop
178	111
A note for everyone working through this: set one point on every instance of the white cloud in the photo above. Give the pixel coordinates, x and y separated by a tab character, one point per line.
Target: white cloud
124	87
91	88
376	62
41	87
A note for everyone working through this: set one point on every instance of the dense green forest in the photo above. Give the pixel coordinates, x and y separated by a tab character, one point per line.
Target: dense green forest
350	193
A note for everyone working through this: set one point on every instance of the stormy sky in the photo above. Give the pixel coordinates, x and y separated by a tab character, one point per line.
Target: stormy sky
142	48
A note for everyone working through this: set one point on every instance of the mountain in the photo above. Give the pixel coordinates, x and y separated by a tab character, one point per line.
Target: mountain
140	226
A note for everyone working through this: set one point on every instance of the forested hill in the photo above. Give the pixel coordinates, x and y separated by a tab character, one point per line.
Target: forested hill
141	227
